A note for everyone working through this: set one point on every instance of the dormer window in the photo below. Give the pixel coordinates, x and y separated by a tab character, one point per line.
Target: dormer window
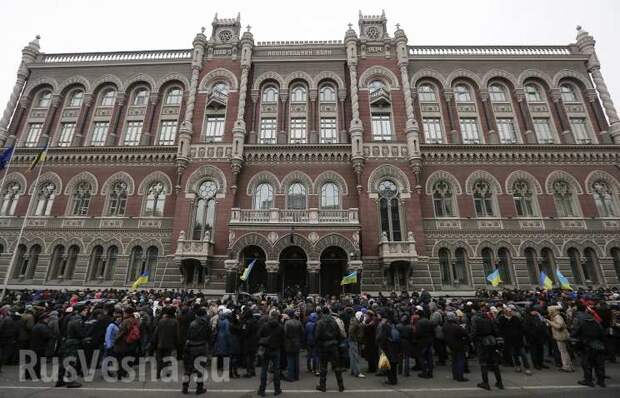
44	99
462	93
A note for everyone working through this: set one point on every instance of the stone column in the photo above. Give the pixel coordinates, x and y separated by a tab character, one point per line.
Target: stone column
566	135
253	139
454	134
314	269
48	125
343	136
232	275
20	113
29	54
487	105
586	42
530	134
273	268
114	121
148	134
313	137
283	115
81	125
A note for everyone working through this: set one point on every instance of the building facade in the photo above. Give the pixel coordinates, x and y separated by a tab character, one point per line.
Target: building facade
417	166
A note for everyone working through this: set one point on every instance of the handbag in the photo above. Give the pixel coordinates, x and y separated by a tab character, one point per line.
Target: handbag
384	363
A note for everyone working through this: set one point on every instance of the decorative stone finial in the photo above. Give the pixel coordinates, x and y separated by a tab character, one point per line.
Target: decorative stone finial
248	27
202	29
397	25
350	25
578	28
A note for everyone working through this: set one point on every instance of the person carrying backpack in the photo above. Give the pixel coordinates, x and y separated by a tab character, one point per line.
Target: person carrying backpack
127	339
329	335
388	340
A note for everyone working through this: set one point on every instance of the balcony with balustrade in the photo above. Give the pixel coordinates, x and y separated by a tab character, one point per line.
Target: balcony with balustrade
348	217
403	250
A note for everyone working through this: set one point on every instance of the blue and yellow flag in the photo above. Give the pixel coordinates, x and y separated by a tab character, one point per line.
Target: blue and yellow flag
6	156
142	280
246	273
349	279
41	156
564	284
545	281
494	278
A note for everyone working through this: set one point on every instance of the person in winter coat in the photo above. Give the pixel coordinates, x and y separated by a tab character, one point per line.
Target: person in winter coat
425	336
26	324
590	335
235	344
560	334
124	347
40	337
74	335
312	358
328	336
511	329
249	344
271	342
356	338
536	335
456	339
195	351
388	340
439	345
9	330
484	335
293	335
370	350
221	348
165	338
406	338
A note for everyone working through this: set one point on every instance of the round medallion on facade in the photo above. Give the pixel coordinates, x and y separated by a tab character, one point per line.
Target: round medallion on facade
372	33
225	35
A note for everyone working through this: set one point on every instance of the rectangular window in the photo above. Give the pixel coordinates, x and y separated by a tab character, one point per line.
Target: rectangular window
329	135
432	130
214	130
506	131
100	133
298	131
267	131
543	131
381	127
133	133
580	130
470	131
34	133
66	134
167	132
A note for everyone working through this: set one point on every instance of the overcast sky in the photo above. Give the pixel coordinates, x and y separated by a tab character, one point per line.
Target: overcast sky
86	25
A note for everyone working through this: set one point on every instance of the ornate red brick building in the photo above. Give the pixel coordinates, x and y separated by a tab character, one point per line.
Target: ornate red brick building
418	166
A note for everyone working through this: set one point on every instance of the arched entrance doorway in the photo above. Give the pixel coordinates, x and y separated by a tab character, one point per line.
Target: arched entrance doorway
257	281
193	273
333	267
397	275
293	272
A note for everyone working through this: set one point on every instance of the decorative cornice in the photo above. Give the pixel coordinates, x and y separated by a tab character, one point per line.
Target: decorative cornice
298	153
78	156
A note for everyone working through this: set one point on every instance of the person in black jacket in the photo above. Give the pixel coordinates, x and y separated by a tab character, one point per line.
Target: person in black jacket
293	335
9	330
39	341
328	338
165	338
425	336
590	335
198	335
511	329
388	339
271	342
536	333
485	336
456	339
406	336
249	344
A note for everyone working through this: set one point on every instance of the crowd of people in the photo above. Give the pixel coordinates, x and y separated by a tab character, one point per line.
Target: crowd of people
390	336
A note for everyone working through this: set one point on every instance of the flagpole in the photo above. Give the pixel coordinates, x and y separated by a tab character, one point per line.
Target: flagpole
21	230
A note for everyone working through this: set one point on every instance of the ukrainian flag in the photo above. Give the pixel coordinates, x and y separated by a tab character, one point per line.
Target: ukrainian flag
545	281
246	273
349	279
564	284
41	156
494	278
142	280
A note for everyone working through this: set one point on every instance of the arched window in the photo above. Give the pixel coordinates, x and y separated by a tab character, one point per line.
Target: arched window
27	265
66	271
151	260
140	97
117	199
532	93
33	255
220	88
389	211
174	96
263	197
376	85
446	266
503	264
136	263
460	267
45	199
568	93
57	262
547	263
155	199
204	210
330	196
523	198
96	262
603	197
75	99
488	263
270	94
45	99
298	94
483	199
442	199
296	197
531	259
81	199
9	199
327	94
497	93
575	265
426	93
462	93
615	255
564	199
590	266
21	262
108	97
103	268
